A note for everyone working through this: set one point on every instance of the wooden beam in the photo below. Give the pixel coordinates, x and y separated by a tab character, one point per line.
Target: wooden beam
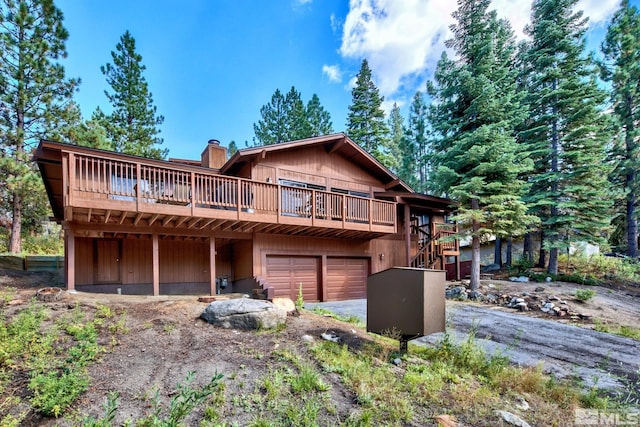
138	218
392	184
107	215
153	219
212	265
70	258
206	224
89	215
231	224
193	222
407	233
155	264
123	217
181	221
167	220
128	229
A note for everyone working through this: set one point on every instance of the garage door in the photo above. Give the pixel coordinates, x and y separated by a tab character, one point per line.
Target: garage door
286	274
346	278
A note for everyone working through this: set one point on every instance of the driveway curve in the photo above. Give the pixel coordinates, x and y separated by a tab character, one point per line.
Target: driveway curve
598	359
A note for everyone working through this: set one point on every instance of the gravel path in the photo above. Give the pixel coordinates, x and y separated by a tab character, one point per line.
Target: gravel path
563	350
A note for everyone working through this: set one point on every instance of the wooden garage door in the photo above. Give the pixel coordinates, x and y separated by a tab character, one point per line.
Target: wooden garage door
286	273
346	278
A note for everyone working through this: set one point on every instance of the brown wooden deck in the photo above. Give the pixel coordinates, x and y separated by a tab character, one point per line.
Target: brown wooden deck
105	191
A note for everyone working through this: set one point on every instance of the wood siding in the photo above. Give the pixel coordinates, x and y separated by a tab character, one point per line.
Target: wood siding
184	261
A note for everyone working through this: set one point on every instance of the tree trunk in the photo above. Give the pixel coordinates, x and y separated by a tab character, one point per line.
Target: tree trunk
632	226
474	281
527	248
542	256
497	251
15	242
553	261
509	259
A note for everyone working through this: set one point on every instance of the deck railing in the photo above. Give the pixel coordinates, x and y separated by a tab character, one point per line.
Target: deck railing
120	180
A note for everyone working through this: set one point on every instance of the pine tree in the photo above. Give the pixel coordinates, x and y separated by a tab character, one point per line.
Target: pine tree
286	118
233	149
274	125
34	94
417	140
298	126
132	127
365	122
396	134
75	130
319	118
477	160
565	131
621	49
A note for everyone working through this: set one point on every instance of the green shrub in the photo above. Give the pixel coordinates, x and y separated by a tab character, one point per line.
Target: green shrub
43	245
585	294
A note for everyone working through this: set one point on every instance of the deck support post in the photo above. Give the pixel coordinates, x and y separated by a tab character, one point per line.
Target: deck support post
407	234
156	264
212	265
69	258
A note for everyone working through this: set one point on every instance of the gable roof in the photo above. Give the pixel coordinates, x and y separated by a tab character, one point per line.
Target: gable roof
334	143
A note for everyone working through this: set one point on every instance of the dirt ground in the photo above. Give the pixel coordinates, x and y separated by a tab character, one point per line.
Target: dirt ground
166	340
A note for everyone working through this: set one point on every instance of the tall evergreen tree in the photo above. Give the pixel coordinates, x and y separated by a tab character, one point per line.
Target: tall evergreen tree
319	118
273	126
566	130
621	49
34	94
477	159
396	134
366	122
298	126
132	127
285	118
417	140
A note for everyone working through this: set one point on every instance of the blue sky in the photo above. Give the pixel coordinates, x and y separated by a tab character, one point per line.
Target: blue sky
211	64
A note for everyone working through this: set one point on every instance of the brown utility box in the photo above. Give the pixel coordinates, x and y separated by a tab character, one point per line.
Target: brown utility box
406	301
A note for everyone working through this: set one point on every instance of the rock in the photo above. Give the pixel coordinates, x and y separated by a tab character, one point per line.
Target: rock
553	298
512	419
397	361
522	306
522	404
457	292
489	268
492	298
330	337
307	338
244	313
548	279
446	420
475	295
49	294
286	304
539	289
522	279
584	316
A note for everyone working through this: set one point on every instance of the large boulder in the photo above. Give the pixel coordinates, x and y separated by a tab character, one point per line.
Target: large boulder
244	313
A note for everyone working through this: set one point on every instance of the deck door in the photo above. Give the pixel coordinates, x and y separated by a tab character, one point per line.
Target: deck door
107	261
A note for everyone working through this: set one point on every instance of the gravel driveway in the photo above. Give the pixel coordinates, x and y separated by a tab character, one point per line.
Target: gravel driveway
597	358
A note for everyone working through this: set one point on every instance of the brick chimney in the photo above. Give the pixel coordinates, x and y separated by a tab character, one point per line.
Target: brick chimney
214	155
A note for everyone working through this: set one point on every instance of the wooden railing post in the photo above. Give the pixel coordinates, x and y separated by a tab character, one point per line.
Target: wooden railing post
192	193
138	187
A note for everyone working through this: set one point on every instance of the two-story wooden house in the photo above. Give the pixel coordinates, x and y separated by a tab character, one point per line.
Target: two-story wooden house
318	214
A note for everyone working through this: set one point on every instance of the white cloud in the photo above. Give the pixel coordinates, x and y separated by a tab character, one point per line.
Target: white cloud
332	72
302	2
403	39
335	23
